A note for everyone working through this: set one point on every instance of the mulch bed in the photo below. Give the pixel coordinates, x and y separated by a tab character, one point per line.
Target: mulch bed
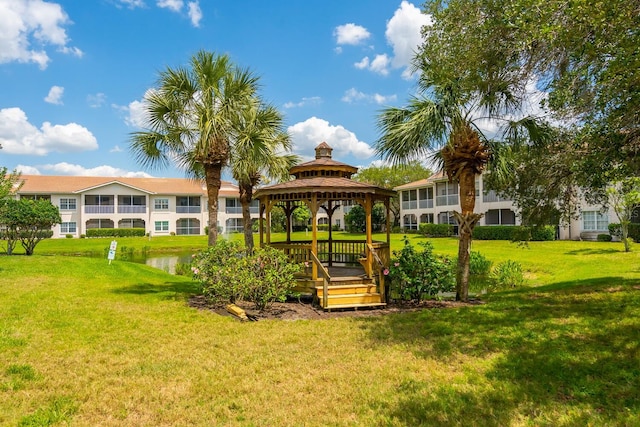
303	309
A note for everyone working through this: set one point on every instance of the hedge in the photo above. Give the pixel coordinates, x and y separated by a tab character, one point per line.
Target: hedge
435	230
634	231
116	232
511	232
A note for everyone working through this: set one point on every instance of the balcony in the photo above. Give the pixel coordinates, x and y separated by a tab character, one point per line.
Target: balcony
132	209
99	209
426	203
238	209
451	199
188	209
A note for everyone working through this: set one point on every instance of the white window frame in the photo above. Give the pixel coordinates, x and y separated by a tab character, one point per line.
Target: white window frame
65	204
161	226
595	221
65	227
161	204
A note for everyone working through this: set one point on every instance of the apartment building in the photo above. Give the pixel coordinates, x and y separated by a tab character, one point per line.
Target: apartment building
159	205
432	200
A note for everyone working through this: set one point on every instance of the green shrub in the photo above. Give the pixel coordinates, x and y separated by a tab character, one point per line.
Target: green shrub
414	274
69	236
507	275
435	230
322	227
615	229
634	232
604	238
116	232
227	274
396	229
521	234
543	233
493	232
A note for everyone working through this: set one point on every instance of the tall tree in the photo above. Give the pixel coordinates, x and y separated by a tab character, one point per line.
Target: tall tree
260	152
444	118
583	56
625	197
9	183
192	118
28	221
391	176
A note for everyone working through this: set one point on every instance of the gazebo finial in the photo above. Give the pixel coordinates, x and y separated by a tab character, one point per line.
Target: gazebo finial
323	151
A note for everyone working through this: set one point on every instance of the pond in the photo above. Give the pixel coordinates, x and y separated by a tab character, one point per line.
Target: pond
163	261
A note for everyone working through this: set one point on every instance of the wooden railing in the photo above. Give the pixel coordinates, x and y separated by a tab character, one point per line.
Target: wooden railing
325	279
382	267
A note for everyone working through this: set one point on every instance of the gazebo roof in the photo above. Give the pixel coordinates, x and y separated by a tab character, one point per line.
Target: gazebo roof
323	175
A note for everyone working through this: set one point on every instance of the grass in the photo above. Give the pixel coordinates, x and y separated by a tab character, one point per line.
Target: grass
87	343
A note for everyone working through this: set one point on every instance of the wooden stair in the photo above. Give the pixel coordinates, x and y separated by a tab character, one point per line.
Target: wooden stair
350	292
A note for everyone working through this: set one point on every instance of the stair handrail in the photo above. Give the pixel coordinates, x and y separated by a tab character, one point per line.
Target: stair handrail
325	278
381	268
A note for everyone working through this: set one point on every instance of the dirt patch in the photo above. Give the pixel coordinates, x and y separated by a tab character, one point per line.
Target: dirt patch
299	310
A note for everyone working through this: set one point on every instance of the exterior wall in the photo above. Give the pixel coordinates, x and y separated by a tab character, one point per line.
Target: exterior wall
590	222
158	220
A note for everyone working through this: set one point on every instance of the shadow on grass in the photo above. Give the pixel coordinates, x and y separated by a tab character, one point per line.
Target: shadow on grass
564	354
590	251
173	290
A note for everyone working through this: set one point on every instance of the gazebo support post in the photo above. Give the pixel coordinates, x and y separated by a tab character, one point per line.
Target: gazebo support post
368	208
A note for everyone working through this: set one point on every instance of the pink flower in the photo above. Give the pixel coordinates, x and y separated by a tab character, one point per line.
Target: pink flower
306	263
396	264
385	271
193	255
195	270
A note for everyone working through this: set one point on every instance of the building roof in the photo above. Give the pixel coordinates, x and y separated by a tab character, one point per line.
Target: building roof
439	176
48	184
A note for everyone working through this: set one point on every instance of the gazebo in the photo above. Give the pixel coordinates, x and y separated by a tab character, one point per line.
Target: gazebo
340	273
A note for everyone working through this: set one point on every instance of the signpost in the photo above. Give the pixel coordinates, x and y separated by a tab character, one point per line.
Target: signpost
112	251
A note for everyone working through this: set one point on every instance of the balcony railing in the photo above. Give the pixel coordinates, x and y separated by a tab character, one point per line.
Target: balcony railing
188	209
238	209
131	209
451	199
426	203
99	209
412	204
491	196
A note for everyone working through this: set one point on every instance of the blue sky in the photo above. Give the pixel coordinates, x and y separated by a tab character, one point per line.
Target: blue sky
73	74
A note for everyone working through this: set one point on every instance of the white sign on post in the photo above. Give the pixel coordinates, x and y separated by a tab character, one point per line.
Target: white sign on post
112	251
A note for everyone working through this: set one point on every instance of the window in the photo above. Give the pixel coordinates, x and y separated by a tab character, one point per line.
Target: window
131	223
187	226
500	217
161	204
68	227
594	221
162	225
410	222
447	193
410	199
426	218
425	196
67	204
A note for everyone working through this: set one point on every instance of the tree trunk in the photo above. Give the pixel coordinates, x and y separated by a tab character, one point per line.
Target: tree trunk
213	172
467	221
246	194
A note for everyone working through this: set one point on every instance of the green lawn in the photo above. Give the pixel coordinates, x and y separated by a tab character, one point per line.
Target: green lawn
86	343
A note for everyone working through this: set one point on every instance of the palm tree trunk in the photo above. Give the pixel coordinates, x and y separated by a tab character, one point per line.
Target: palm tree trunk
213	172
467	221
246	194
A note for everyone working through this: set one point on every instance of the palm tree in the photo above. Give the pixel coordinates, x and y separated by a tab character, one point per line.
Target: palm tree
446	121
259	152
191	119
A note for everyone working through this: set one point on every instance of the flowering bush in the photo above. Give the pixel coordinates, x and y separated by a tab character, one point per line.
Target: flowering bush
227	274
415	275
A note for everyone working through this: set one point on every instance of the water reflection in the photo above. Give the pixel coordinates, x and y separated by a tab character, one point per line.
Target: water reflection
166	262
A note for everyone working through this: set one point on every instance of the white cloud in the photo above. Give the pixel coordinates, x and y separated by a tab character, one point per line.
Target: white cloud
308	134
363	64
131	4
55	95
195	13
97	100
174	5
18	136
64	168
380	64
306	101
116	149
404	34
136	114
24	23
353	95
351	34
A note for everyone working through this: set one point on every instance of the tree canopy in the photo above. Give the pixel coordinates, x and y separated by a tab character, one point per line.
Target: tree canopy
27	221
391	176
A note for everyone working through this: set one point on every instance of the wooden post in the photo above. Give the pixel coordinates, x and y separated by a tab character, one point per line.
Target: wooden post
368	208
261	222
